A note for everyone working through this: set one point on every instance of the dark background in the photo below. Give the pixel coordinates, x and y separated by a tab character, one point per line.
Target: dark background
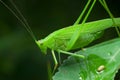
20	58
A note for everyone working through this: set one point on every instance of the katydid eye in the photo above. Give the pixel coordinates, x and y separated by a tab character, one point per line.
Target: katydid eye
41	43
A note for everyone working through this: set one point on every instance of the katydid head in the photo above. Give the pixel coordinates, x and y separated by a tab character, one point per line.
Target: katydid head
42	46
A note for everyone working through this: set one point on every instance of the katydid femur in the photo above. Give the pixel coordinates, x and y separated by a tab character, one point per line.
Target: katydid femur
72	37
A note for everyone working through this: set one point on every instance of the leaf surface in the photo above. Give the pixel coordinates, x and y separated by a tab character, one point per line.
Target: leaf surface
104	56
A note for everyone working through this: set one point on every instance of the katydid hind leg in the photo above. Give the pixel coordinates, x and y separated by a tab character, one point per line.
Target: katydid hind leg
82	13
112	17
76	34
105	6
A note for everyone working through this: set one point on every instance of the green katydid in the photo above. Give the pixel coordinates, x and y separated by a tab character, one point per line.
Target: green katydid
65	39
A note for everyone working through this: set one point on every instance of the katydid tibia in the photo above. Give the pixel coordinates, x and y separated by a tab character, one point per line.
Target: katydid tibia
72	37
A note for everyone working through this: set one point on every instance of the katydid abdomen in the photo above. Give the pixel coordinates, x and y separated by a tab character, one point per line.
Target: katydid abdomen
89	32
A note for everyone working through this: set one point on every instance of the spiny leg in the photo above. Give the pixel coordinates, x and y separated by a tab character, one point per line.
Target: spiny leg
104	4
49	71
90	9
68	53
71	54
55	60
82	13
59	56
76	35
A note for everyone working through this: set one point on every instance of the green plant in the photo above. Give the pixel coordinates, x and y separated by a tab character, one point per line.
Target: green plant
65	39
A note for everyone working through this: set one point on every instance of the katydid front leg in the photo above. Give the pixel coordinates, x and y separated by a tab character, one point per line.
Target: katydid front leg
65	52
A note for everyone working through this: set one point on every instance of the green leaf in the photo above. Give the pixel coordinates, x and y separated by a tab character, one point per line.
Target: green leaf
105	55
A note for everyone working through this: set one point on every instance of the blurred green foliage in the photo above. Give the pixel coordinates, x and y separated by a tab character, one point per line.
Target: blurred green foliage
20	58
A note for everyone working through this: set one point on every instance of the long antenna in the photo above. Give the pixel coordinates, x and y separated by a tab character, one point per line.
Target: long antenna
23	22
